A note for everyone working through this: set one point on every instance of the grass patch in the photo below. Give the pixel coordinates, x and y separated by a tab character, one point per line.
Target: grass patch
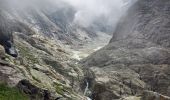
7	93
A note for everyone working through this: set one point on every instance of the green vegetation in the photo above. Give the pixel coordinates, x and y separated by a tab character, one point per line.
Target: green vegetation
59	88
7	93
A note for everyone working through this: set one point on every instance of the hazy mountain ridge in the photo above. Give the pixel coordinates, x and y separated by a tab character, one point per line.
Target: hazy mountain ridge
53	20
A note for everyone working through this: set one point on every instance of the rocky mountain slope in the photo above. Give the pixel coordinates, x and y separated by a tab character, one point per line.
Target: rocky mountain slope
136	60
36	38
39	64
54	20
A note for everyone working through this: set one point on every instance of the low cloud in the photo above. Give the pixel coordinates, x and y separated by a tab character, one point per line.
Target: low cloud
89	10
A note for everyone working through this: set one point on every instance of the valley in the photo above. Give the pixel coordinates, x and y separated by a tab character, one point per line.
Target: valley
83	51
88	50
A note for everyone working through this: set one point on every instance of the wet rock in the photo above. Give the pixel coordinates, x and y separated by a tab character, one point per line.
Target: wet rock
11	50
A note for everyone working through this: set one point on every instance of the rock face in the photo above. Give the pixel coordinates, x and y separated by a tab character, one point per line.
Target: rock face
148	95
137	57
6	37
34	92
40	58
45	65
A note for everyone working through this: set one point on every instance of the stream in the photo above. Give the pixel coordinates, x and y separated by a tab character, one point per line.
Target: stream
86	89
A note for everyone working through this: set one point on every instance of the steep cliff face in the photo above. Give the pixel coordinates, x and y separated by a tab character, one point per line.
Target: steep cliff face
137	57
147	20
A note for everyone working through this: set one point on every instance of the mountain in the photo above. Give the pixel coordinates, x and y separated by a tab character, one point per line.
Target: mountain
41	47
135	64
37	38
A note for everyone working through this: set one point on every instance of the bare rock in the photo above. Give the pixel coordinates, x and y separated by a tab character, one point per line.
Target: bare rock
2	52
149	95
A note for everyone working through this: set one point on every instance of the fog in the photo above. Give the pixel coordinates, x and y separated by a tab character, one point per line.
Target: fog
89	10
107	12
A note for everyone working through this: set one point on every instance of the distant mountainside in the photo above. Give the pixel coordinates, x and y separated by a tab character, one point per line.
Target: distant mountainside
52	20
137	59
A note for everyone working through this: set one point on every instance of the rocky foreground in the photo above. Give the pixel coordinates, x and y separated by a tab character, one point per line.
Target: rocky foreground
42	70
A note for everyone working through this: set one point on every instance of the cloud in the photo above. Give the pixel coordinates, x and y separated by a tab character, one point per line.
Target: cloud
89	10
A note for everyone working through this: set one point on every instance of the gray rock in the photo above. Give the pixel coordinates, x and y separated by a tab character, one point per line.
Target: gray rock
34	92
137	57
149	95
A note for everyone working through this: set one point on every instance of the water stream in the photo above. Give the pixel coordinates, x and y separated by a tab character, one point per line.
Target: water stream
86	89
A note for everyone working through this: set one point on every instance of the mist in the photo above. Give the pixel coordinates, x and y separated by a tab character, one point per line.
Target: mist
106	12
89	10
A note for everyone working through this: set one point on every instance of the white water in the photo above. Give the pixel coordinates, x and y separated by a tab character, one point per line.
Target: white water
89	98
87	87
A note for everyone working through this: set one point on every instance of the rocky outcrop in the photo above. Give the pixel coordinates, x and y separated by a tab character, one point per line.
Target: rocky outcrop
149	95
34	92
137	58
6	37
44	65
